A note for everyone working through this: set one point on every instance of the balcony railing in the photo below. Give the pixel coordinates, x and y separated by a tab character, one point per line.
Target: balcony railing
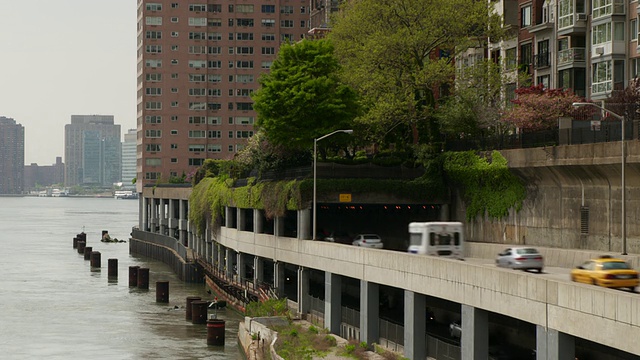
569	56
541	60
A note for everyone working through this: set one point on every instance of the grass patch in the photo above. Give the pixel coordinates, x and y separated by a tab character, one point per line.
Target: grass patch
297	343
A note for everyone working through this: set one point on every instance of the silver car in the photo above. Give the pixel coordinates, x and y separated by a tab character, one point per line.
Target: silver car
368	240
522	258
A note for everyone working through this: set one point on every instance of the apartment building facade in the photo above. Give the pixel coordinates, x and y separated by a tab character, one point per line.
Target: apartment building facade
11	156
92	151
129	156
588	46
198	64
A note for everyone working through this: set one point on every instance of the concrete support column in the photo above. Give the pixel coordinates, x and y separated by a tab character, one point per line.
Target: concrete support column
444	212
222	256
215	250
154	215
144	213
240	265
304	224
554	345
415	331
228	263
303	290
241	221
257	222
278	224
369	312
258	270
278	277
184	222
332	302
228	220
475	333
173	221
162	216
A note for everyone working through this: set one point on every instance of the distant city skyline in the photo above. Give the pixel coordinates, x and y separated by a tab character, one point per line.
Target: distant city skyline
66	57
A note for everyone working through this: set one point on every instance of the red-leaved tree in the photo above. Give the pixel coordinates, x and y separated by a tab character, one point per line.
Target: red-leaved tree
537	108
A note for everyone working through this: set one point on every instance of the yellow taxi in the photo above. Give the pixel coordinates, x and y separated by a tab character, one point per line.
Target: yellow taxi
608	272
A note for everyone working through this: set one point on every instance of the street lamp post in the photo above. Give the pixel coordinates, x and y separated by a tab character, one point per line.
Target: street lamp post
315	148
623	165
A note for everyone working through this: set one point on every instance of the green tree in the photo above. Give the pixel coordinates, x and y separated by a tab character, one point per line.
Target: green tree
395	53
301	98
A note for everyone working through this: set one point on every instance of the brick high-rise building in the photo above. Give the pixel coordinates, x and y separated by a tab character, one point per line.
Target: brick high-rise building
11	156
198	63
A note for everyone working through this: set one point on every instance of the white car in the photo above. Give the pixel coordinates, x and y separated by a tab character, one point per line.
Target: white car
368	240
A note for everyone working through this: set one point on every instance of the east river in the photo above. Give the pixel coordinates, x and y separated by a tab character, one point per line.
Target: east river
54	305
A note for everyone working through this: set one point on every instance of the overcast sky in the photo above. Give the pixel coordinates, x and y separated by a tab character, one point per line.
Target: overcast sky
66	57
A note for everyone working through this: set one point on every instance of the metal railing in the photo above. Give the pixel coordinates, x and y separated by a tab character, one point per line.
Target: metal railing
568	56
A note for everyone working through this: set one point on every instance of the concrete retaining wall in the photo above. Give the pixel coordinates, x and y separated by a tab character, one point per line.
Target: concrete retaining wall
187	272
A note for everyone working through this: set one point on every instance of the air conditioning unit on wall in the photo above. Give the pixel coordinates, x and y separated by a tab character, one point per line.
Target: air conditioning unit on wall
600	50
582	16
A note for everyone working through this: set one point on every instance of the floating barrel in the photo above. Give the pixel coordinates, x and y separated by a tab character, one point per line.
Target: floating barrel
190	299
82	236
81	245
143	278
215	332
162	291
87	252
113	267
133	275
199	312
95	259
75	242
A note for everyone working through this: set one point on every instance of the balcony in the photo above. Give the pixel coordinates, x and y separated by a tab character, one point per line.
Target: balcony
573	57
541	60
572	24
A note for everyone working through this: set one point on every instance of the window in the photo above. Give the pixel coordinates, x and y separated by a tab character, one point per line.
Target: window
213	134
244	36
174	5
153	162
601	33
197	106
244	120
215	78
153	35
268	22
153	119
174	19
303	10
174	90
215	22
196	148
154	77
197	49
544	80
152	133
197	134
174	117
153	49
153	20
215	8
602	77
196	77
268	9
174	132
152	176
197	63
215	50
214	106
174	146
245	106
230	148
174	34
153	147
197	35
196	162
266	64
153	91
601	8
154	7
618	31
302	23
511	58
525	16
244	64
244	22
230	8
214	120
268	51
286	9
197	119
525	56
153	63
286	23
197	21
215	36
214	148
174	61
214	92
244	8
244	92
153	105
244	78
174	47
174	76
565	13
197	92
633	29
198	7
230	134
286	37
268	37
245	134
214	64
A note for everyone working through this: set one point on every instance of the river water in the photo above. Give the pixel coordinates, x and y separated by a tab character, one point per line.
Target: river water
53	305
